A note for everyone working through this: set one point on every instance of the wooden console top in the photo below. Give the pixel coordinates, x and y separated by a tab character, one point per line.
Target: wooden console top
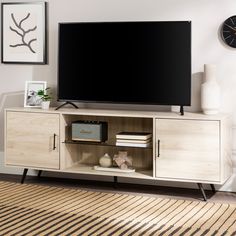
123	113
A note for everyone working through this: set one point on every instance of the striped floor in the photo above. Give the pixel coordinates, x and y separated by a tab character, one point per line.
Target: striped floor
30	209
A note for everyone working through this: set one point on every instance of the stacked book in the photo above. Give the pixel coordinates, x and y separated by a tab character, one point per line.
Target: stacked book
134	139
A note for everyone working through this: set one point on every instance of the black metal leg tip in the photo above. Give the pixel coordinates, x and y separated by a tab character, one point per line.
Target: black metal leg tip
202	191
24	175
213	188
115	182
40	173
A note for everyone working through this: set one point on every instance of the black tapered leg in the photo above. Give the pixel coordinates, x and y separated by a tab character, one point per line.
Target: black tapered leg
24	175
115	181
39	173
202	191
213	188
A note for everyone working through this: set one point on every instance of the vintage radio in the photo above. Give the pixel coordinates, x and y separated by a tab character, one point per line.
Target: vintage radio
93	131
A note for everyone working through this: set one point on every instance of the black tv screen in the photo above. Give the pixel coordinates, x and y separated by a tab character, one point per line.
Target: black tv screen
125	62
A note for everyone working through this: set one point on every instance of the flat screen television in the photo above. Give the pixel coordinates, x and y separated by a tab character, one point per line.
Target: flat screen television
125	62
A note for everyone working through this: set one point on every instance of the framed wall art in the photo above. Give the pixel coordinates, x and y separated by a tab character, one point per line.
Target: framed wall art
24	32
31	89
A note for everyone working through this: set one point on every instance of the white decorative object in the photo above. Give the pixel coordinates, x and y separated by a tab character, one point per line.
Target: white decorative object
105	161
122	160
31	97
45	105
113	169
210	91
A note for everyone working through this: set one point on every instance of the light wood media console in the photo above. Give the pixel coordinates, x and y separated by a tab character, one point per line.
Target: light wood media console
191	148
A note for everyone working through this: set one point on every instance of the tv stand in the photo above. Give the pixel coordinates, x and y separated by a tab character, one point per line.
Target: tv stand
65	103
194	148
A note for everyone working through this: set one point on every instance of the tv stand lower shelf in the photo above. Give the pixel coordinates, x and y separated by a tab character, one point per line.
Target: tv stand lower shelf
200	186
113	169
193	148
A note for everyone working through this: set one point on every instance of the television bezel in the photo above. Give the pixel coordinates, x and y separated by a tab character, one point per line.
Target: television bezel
116	102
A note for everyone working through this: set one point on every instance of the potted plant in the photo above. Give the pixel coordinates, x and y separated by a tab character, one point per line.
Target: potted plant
45	98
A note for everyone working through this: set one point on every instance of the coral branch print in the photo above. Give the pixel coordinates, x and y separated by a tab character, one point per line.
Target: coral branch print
19	30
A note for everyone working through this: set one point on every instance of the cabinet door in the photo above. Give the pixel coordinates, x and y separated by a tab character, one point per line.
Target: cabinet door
188	150
32	139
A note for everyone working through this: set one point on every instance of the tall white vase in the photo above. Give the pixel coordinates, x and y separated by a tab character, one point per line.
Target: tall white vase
210	91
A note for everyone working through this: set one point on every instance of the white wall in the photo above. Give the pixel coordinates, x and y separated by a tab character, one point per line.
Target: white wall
207	47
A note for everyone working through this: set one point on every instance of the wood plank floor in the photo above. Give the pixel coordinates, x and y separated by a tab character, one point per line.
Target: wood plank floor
148	190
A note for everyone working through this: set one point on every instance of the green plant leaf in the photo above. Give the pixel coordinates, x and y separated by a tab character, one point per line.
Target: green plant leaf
43	94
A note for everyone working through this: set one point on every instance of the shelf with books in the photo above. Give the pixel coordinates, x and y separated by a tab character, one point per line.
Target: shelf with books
134	135
81	156
109	144
134	139
130	144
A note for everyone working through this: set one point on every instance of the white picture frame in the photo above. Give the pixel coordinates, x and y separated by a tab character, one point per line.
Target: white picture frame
24	33
31	99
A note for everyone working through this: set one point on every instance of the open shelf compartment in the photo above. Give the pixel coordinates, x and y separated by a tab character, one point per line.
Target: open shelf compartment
81	157
89	169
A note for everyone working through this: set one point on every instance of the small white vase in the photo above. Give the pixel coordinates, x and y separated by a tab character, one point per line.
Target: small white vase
105	161
45	105
210	91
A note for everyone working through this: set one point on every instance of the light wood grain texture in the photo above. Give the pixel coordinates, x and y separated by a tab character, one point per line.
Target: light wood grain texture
189	149
123	113
154	148
68	153
193	147
226	148
29	139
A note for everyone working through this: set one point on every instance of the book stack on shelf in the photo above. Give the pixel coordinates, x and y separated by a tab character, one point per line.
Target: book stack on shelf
134	139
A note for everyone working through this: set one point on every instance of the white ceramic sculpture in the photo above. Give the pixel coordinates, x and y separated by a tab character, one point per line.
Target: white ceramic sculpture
105	161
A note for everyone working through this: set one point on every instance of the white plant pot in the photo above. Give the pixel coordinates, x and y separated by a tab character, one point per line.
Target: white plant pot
45	105
210	91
